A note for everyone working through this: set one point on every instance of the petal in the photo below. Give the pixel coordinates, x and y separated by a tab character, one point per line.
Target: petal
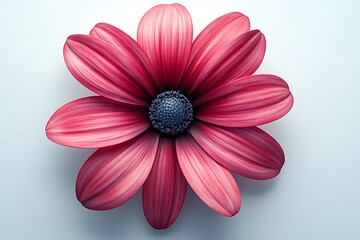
112	175
216	35
106	71
249	152
165	33
221	60
164	190
127	46
211	182
94	122
246	102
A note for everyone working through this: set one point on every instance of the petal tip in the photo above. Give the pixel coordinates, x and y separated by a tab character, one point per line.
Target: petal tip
258	35
101	26
159	227
73	38
234	212
88	205
233	209
48	128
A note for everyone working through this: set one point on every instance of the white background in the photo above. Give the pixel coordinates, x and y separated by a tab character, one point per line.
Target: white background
314	45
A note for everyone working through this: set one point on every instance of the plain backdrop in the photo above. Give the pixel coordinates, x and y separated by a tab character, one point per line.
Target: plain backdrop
313	45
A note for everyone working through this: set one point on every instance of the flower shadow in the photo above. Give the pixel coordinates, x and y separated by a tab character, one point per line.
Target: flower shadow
105	224
196	219
254	187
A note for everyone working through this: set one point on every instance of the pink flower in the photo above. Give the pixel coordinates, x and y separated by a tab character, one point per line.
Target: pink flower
170	112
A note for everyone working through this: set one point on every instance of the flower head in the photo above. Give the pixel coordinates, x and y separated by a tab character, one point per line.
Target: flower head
170	111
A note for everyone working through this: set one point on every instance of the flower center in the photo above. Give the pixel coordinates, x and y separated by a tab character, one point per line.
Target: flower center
171	112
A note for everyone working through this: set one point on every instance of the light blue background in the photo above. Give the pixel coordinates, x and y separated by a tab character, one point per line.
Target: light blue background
314	45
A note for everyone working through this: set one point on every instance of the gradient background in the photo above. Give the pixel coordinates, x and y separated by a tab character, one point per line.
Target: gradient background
314	45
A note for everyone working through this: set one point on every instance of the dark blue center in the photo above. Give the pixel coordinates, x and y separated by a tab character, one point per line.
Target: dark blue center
171	112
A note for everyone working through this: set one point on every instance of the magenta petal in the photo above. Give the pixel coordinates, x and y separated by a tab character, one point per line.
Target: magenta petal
249	152
127	46
94	122
112	175
246	102
164	190
239	57
211	182
223	50
165	33
105	70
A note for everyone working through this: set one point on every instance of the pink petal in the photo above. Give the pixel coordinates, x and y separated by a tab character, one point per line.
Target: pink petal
215	36
216	61
112	175
94	122
165	33
246	102
105	70
164	190
249	152
127	46
211	182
